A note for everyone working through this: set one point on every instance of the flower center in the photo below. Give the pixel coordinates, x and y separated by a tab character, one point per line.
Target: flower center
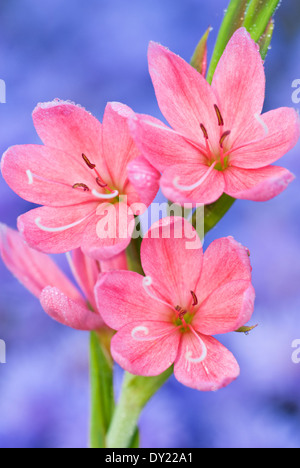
184	317
219	159
110	193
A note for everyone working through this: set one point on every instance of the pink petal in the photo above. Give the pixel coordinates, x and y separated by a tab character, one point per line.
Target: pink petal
184	96
72	129
226	309
257	184
216	371
210	189
109	232
33	269
171	255
121	299
118	146
86	271
66	238
161	145
283	131
146	348
62	309
225	260
119	262
239	82
46	175
144	178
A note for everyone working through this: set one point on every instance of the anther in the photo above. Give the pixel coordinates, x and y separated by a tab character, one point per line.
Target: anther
100	182
219	115
195	298
223	137
204	131
81	186
88	162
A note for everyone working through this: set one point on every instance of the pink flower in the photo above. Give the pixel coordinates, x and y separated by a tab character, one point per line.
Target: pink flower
169	316
80	175
220	141
58	296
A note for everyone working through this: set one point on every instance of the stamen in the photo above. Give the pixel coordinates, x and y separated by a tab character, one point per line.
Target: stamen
219	116
187	188
204	131
147	281
263	124
223	137
195	299
58	229
100	182
88	162
188	355
181	311
30	176
145	331
105	196
81	186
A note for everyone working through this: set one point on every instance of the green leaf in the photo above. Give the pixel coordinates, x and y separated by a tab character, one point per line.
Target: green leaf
233	20
102	395
199	59
258	16
265	40
246	330
214	213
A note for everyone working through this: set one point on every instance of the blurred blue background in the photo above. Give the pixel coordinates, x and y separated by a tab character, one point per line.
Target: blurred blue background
92	52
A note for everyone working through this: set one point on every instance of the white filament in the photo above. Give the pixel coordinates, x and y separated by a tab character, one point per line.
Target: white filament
104	196
30	176
140	329
57	229
187	188
262	123
147	281
196	360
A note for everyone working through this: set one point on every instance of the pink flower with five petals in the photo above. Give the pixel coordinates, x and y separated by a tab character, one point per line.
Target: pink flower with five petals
58	296
80	175
220	141
168	316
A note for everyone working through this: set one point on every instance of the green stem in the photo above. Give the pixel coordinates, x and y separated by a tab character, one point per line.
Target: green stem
136	392
102	397
214	213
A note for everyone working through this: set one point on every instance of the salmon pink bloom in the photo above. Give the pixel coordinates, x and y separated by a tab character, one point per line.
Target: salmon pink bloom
220	141
168	316
58	296
80	175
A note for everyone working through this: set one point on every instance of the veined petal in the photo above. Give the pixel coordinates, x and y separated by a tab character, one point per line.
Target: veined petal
46	176
225	260
118	145
257	184
226	309
144	178
86	271
161	145
33	269
217	370
121	299
119	262
184	96
62	309
146	348
171	256
209	184
109	231
282	131
70	128
56	230
239	82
